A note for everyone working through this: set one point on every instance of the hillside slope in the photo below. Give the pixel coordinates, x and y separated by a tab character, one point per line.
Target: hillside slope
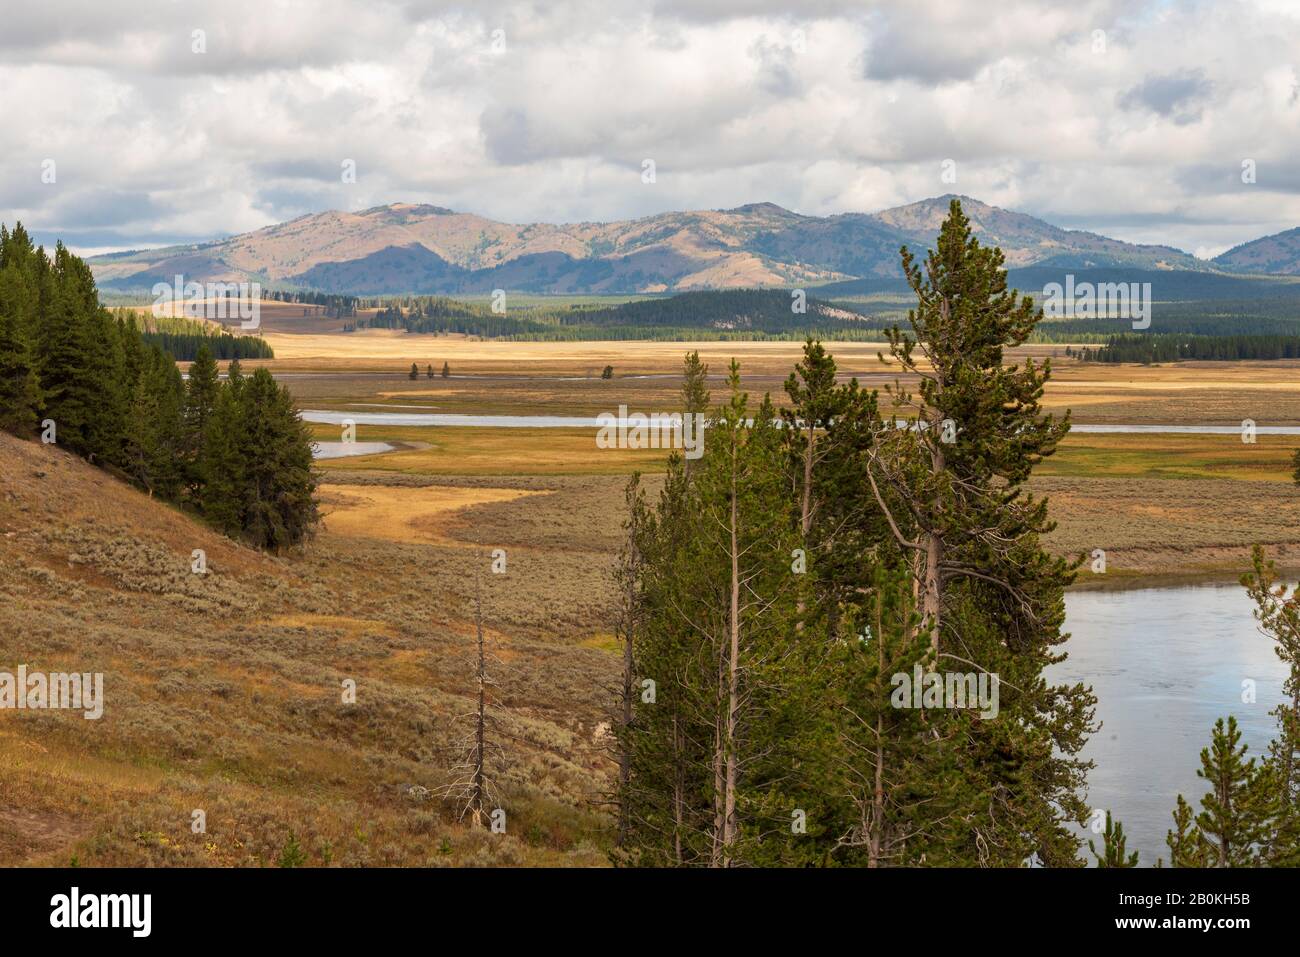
222	691
1278	254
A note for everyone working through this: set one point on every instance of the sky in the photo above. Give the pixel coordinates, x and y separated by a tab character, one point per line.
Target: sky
137	123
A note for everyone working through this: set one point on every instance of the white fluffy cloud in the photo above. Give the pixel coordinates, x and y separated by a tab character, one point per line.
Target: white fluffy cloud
1139	131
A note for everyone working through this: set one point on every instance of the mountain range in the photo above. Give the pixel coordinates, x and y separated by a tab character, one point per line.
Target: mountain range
406	248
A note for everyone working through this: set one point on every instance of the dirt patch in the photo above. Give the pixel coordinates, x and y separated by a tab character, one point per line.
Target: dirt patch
26	833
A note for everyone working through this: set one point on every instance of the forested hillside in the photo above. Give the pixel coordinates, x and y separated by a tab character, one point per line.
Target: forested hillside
74	375
733	313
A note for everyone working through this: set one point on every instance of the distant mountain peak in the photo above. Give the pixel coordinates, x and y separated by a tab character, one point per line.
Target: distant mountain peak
422	248
424	209
763	207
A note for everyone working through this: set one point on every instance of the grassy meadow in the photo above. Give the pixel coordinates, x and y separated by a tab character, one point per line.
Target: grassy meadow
1160	504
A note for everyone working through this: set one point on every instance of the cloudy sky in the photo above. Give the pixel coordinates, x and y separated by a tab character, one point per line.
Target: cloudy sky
164	122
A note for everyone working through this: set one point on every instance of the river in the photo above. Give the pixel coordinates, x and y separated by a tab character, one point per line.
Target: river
1165	663
331	417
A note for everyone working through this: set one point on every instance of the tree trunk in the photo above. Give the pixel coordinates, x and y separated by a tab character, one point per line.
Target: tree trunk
733	682
719	783
679	787
878	796
931	592
805	514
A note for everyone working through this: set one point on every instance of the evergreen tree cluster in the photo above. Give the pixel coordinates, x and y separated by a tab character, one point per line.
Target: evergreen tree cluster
772	595
236	451
333	303
1168	347
439	314
740	314
183	338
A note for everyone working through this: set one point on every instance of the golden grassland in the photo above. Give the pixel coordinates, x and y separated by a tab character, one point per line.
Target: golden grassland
383	349
1196	501
500	377
484	450
1157	456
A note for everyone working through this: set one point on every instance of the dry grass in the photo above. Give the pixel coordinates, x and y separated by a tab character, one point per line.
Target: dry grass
489	451
1153	528
223	691
1156	456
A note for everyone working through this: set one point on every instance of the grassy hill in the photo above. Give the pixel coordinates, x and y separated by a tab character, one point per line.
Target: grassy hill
222	691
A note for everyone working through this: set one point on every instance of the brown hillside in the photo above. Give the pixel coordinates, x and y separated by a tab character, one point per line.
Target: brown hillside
222	692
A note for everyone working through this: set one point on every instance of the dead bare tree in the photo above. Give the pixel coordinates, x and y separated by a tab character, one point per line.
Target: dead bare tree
473	786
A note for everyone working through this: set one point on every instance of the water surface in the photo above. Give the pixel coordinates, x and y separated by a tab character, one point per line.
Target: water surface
341	450
1165	663
330	417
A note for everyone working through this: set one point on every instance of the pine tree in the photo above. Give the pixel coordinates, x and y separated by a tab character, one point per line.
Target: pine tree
20	395
201	390
695	393
19	284
704	756
1187	847
279	485
978	421
64	357
428	371
100	361
629	610
772	673
745	541
235	379
880	761
446	371
665	799
239	449
415	371
827	432
1278	613
951	490
154	430
1114	852
221	460
134	352
1237	811
695	388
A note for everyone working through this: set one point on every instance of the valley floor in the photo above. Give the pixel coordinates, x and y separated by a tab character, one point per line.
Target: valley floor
223	691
